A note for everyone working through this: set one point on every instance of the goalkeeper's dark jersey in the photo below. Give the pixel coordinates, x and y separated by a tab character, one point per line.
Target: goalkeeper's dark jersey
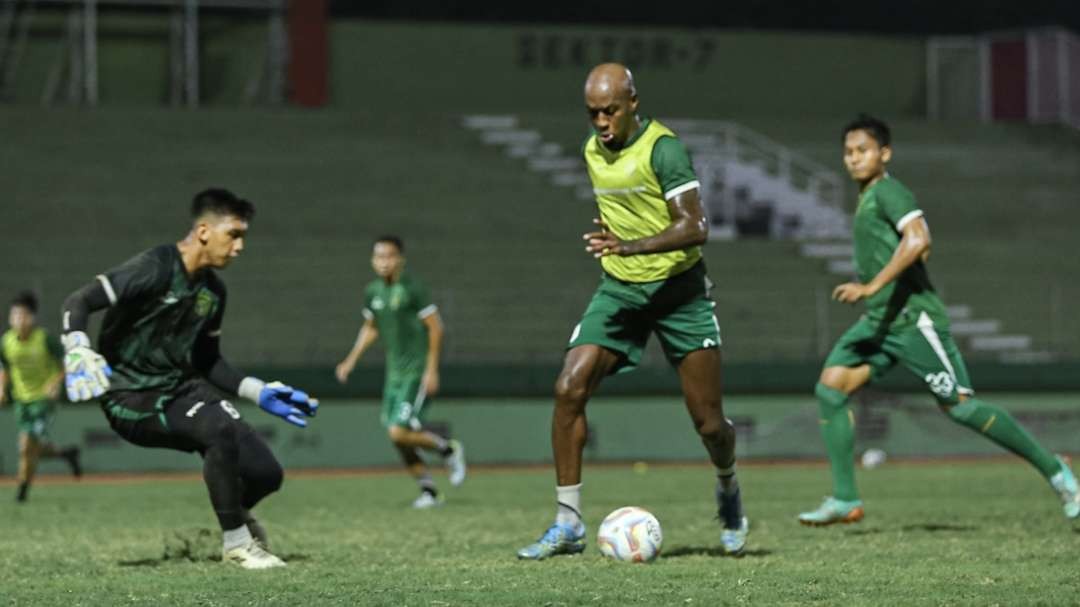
157	315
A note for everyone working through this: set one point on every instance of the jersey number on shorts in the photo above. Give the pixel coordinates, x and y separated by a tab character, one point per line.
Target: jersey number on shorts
231	410
225	405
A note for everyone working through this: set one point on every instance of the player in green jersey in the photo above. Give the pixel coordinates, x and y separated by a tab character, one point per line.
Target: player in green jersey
648	241
169	386
905	322
397	308
30	367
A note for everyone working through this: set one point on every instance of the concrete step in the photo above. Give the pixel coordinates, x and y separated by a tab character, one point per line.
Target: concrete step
489	122
841	266
991	343
558	163
958	311
574	178
549	150
522	151
827	249
1027	357
511	136
975	327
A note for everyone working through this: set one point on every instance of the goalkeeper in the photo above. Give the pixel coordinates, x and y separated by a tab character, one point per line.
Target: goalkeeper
160	376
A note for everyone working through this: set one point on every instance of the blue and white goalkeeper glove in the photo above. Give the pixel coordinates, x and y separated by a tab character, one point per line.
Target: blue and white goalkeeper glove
86	374
286	402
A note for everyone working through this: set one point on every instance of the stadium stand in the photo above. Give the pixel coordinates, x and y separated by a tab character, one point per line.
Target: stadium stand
498	243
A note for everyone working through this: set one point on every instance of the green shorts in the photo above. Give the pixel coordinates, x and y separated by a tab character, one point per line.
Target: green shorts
33	418
679	310
926	348
404	402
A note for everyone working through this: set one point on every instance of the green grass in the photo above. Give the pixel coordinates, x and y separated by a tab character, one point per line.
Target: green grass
950	533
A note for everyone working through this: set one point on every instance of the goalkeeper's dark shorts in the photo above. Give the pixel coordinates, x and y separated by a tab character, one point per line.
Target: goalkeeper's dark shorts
192	418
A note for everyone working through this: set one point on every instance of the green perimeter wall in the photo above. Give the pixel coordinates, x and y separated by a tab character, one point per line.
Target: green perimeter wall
477	68
515	431
491	380
381	66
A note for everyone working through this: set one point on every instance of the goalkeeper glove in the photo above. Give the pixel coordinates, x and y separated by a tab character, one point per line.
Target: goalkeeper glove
286	402
86	374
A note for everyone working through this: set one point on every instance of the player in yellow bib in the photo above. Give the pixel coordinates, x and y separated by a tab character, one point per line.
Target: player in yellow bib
648	240
30	370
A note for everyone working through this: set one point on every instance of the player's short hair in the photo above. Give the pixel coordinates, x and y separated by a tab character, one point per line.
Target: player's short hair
874	127
26	299
394	240
221	202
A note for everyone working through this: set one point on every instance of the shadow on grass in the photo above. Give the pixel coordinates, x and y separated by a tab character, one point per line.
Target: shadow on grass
715	551
193	545
142	563
927	527
167	560
871	531
935	527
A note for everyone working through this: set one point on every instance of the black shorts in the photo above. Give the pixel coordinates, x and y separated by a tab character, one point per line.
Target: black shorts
186	419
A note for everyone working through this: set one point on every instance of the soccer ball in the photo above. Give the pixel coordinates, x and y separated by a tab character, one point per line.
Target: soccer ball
630	534
872	458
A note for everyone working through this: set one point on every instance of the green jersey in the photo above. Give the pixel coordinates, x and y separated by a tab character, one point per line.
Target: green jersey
30	363
158	312
884	209
633	186
398	310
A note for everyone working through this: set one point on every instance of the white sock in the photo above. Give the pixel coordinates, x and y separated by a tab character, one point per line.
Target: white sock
569	500
441	444
234	538
426	484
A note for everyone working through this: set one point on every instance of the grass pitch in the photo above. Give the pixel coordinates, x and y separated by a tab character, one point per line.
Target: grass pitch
946	533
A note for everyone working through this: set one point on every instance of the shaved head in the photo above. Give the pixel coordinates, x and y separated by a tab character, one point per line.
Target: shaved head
613	78
612	102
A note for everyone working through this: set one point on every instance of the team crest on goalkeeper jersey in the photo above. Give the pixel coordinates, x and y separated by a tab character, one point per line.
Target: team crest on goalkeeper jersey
204	303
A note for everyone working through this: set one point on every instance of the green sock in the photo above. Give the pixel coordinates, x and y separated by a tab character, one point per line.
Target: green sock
837	428
997	425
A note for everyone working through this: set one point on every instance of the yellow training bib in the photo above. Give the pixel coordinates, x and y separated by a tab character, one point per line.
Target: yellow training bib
29	364
631	203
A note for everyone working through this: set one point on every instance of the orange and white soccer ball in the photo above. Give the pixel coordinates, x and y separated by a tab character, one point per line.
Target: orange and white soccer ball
630	534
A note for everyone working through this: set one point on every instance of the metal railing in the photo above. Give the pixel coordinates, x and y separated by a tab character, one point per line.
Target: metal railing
805	197
780	161
79	61
720	149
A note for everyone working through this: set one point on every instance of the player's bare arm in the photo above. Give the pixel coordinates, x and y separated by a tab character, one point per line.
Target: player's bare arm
3	387
368	335
688	228
52	388
434	325
914	246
